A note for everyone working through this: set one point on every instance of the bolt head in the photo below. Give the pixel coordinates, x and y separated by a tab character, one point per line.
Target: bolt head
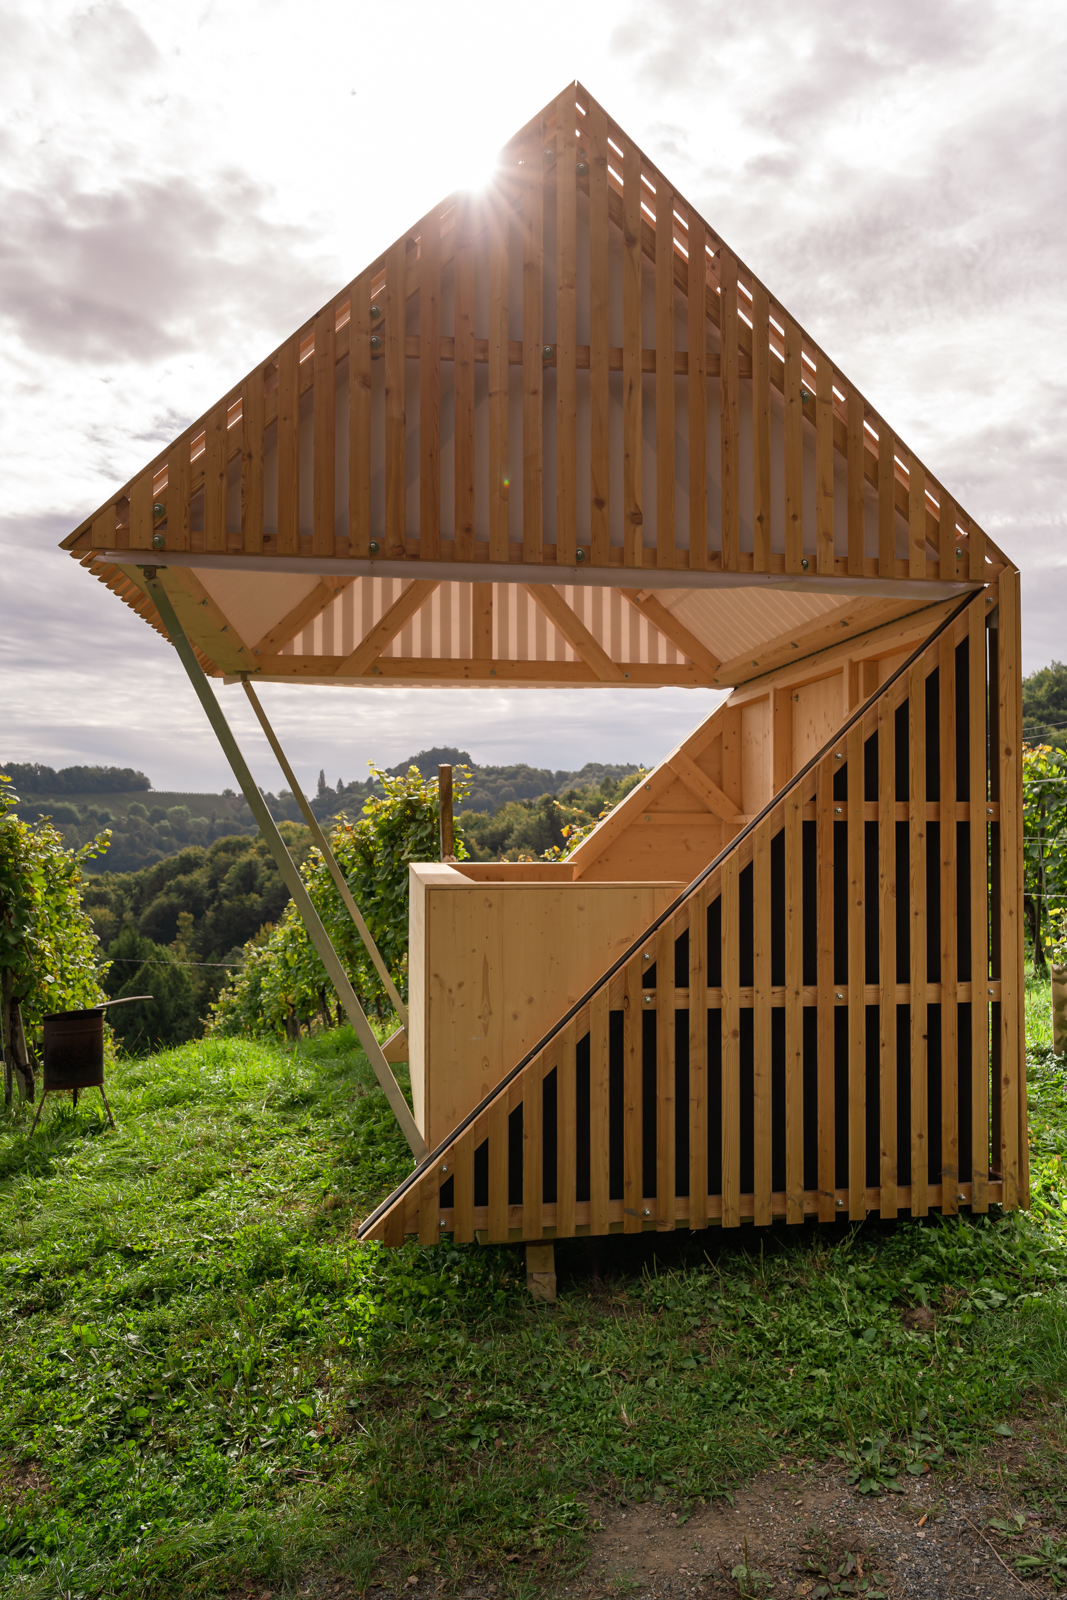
959	553
374	547
579	555
158	509
804	563
582	169
547	352
838	756
375	313
646	1212
375	342
548	155
837	811
158	541
444	1169
840	1204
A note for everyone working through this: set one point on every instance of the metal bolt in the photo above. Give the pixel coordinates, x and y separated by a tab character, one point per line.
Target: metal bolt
840	1204
648	999
647	819
442	1223
255	652
647	1212
375	313
805	396
837	811
959	553
989	991
582	169
804	563
989	811
158	541
492	672
580	154
374	547
548	155
579	555
444	1169
838	756
989	599
375	342
961	1197
838	996
646	956
203	602
547	352
158	509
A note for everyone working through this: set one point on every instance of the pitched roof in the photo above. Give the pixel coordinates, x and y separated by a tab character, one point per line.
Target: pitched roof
519	448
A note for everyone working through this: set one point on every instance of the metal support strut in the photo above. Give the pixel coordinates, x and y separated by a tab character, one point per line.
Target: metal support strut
286	866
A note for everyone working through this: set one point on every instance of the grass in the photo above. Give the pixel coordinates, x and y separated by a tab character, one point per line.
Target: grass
207	1383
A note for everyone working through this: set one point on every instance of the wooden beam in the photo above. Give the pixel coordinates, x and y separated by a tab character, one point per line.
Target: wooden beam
385	630
295	621
698	783
847	621
205	623
427	669
672	628
574	630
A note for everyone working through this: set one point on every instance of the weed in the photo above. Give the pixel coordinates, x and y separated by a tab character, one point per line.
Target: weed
837	1574
1048	1560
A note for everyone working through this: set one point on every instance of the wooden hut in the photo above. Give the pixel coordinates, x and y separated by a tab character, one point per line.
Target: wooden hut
559	434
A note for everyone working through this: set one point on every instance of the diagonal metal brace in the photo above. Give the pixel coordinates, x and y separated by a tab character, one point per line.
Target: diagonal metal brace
327	854
286	866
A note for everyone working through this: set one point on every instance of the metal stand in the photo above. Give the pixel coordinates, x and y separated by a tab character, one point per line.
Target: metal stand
74	1095
286	866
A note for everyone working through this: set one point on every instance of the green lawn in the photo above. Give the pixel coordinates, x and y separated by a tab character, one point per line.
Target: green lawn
207	1383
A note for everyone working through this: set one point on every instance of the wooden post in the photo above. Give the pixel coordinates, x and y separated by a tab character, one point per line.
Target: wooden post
541	1271
444	790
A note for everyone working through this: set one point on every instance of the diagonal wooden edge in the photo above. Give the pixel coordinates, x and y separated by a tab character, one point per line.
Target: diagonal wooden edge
303	613
386	629
652	608
381	1224
699	784
574	630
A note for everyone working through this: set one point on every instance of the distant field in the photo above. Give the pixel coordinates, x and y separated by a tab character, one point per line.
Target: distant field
200	805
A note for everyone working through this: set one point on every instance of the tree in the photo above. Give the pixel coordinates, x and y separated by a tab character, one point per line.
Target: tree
49	954
1045	706
284	984
140	966
1044	843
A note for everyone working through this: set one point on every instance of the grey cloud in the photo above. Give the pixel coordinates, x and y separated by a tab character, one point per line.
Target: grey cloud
158	266
109	35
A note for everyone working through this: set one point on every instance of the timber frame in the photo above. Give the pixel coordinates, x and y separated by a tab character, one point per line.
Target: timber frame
558	434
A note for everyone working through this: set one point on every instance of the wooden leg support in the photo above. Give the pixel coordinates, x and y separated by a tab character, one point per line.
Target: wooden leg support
541	1271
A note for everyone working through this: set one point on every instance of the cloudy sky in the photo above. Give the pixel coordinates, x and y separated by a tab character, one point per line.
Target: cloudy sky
181	186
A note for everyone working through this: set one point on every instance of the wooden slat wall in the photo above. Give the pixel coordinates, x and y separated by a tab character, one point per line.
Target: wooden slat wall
756	1182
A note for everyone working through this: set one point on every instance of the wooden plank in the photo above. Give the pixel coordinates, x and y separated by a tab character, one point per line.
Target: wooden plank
857	1008
482	621
303	613
1012	1052
887	515
430	386
631	356
324	453
854	483
632	1072
650	606
429	1202
699	784
497	1121
761	1021
384	631
178	495
141	520
666	1098
887	957
698	1058
566	1130
794	1007
393	338
665	540
697	365
599	337
824	465
104	534
916	519
215	454
824	912
533	253
761	430
730	424
918	912
977	570
498	376
252	463
463	381
289	447
533	1145
574	630
781	739
979	874
947	546
599	1111
731	1044
360	333
950	1151
566	334
462	1163
794	448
